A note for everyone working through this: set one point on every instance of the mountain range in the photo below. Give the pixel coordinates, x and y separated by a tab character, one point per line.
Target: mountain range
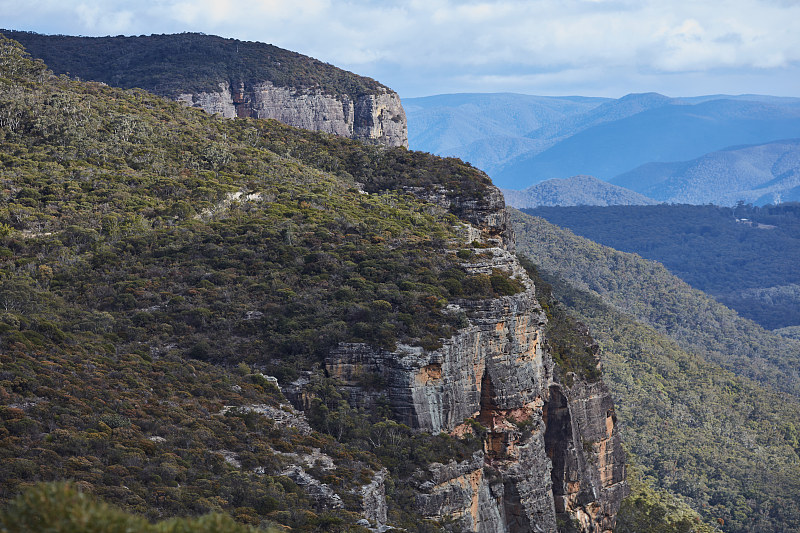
608	138
487	130
757	174
577	190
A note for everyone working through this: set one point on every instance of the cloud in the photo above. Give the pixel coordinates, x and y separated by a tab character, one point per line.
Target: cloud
450	41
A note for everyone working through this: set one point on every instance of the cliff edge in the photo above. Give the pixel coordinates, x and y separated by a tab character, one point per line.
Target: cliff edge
374	118
551	453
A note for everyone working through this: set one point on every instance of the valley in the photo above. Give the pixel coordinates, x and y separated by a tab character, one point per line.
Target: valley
746	257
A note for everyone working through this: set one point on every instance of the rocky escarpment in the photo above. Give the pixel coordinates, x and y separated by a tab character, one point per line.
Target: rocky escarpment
376	118
551	452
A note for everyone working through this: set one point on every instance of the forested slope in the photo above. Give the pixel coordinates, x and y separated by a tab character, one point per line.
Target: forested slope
727	443
746	257
189	62
651	294
141	242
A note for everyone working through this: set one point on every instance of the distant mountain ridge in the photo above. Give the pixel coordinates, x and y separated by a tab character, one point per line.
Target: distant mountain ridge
599	137
609	111
577	190
758	174
671	132
487	129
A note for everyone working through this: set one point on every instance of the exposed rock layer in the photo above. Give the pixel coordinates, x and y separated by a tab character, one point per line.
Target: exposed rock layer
550	451
373	118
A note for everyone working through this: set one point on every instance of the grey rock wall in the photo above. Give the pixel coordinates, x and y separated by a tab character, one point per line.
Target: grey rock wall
589	462
372	118
373	499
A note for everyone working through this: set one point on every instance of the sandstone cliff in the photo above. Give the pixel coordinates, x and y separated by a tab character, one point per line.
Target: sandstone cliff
373	118
552	452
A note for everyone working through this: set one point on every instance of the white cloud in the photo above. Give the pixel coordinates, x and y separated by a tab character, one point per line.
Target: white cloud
450	40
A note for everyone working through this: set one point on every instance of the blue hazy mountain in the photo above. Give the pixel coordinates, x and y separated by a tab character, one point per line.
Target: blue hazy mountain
574	191
674	131
758	174
487	129
521	140
608	111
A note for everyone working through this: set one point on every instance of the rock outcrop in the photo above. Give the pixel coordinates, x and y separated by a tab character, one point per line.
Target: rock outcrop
373	118
584	445
373	499
551	452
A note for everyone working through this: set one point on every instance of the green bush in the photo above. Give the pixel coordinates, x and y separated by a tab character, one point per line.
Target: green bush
63	508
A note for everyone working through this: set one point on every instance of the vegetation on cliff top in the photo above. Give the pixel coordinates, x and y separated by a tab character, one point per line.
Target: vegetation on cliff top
569	342
142	241
188	62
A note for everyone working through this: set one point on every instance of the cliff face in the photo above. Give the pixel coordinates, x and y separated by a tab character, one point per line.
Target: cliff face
373	118
551	452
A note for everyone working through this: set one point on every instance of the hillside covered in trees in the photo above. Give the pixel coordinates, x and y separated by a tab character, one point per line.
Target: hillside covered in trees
189	62
746	257
708	400
157	262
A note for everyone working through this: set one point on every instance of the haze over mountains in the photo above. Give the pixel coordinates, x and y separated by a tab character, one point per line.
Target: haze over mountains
757	174
568	136
488	130
577	190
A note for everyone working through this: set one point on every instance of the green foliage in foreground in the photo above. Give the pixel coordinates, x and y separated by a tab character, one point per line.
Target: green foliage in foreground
728	445
62	508
649	510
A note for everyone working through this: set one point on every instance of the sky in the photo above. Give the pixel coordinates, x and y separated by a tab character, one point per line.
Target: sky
424	47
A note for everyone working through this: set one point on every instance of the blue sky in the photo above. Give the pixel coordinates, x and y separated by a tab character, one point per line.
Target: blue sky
423	47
